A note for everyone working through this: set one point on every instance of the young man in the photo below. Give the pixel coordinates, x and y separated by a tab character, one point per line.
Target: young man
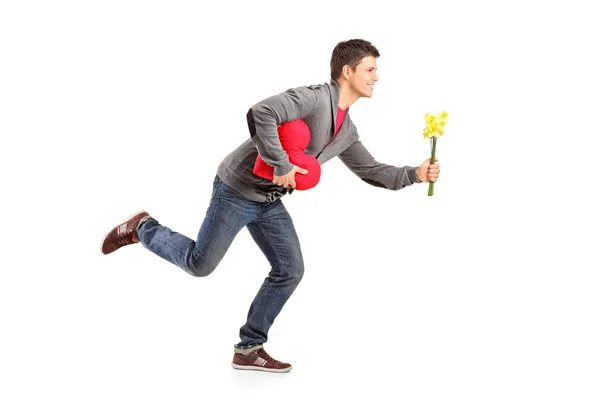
242	199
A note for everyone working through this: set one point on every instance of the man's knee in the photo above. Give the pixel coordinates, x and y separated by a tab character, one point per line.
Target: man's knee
297	271
200	272
201	267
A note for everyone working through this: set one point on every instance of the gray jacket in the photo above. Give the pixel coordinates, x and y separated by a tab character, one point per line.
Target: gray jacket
317	105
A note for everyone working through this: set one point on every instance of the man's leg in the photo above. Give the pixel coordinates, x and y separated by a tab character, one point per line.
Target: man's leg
227	214
274	232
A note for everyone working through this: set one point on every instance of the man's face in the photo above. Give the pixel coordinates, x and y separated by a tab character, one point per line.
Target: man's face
364	77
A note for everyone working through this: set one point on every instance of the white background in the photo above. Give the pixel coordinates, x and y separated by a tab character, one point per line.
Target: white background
487	290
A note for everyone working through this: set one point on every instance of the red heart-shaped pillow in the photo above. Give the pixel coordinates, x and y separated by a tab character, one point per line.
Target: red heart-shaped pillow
294	137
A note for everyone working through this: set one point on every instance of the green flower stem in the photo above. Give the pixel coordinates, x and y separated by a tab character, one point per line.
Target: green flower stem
434	142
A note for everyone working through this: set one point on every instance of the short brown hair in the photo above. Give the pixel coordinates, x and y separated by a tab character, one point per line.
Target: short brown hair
350	53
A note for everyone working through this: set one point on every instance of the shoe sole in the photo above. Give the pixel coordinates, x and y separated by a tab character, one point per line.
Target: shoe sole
257	368
122	222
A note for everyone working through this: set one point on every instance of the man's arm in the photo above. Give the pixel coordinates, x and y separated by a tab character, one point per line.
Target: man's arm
358	159
264	117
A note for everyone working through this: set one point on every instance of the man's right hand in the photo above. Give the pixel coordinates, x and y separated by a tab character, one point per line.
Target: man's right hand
289	179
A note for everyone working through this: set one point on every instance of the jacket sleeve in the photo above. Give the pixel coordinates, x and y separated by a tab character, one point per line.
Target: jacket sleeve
358	159
264	117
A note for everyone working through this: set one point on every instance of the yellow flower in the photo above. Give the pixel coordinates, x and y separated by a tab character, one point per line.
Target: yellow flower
434	124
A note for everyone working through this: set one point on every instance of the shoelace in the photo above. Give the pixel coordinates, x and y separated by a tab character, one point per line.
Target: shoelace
263	354
123	240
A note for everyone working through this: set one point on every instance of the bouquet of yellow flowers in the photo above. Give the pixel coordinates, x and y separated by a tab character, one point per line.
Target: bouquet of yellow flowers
434	128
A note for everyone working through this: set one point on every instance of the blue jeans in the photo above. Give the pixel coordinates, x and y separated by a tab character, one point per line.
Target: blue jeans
272	229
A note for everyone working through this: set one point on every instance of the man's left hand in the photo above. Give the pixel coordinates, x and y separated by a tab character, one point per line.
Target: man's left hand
428	172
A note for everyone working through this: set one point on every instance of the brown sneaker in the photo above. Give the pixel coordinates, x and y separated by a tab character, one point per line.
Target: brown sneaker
122	234
256	358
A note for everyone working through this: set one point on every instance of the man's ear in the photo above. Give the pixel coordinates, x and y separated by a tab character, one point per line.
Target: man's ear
346	71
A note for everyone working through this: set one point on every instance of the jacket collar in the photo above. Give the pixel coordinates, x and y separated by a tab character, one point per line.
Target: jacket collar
334	93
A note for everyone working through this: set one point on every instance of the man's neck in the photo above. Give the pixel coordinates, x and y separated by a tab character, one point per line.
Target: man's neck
347	96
